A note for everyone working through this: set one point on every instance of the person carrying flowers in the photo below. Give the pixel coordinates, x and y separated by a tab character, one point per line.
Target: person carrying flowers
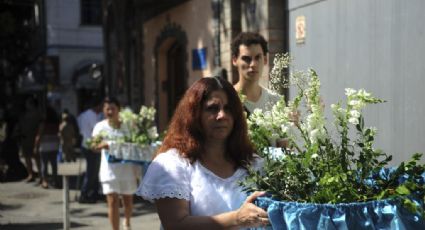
117	179
193	180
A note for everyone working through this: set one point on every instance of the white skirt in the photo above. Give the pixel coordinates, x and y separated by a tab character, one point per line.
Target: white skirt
126	187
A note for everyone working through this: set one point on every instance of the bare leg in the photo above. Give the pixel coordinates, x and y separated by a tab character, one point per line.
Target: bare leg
128	208
28	163
114	210
44	169
36	157
27	152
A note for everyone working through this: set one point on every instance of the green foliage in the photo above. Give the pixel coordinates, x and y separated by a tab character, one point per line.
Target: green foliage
141	126
322	166
96	140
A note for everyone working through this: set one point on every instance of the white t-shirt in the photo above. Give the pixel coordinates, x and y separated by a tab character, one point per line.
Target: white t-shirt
170	175
266	101
114	171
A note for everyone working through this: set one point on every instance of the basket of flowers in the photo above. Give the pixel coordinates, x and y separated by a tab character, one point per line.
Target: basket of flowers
141	141
330	176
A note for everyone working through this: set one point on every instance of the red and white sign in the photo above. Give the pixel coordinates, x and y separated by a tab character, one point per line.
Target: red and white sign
300	31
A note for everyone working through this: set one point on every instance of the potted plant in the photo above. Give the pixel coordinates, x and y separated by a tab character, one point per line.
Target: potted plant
329	177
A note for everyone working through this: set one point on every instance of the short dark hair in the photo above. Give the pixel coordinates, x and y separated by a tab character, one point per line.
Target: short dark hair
112	100
95	101
247	39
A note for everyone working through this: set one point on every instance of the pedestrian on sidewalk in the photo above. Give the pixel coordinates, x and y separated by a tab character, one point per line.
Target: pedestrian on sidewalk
119	180
68	137
26	131
9	150
194	178
86	122
47	144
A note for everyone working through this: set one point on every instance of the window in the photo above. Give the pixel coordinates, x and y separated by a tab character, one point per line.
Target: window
91	12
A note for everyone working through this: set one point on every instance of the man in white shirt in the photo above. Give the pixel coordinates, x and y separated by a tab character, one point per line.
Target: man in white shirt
249	56
86	122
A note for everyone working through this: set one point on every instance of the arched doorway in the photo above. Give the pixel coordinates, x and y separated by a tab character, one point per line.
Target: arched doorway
171	72
87	86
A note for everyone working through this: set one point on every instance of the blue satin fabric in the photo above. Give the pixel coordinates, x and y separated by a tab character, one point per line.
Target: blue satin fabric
382	214
144	164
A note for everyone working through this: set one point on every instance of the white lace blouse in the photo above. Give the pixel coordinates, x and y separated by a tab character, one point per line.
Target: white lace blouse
171	175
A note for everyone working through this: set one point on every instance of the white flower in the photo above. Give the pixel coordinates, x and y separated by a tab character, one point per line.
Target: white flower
147	113
373	131
314	156
354	113
152	133
349	92
338	112
353	120
362	93
314	136
284	128
354	102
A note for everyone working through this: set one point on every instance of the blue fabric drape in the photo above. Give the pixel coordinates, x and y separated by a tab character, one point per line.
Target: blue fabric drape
382	214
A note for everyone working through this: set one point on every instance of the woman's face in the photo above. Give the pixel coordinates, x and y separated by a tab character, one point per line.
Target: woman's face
216	119
111	111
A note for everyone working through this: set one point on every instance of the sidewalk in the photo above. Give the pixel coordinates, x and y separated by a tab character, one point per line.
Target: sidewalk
28	206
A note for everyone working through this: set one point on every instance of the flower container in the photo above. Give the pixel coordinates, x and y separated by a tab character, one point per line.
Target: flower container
126	149
378	214
329	175
145	153
382	214
130	152
115	150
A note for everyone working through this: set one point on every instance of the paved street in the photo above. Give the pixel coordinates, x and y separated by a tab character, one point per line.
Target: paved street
28	206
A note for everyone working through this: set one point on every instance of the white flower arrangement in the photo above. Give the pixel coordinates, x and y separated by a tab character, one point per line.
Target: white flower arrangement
142	126
320	166
141	141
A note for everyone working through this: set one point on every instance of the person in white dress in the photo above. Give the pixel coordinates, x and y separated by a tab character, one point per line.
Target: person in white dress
117	179
194	178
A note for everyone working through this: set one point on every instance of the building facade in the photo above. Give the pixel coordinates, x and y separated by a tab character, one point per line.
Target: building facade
74	46
157	49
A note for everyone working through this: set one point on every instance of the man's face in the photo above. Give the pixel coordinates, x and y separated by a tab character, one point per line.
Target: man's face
250	62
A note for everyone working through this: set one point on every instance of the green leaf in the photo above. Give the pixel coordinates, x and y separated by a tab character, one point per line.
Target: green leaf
402	190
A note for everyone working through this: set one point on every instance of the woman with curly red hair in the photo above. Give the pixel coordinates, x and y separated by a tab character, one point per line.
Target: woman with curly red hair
193	179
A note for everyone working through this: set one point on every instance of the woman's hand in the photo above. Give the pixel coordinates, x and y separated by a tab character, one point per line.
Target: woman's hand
249	215
100	146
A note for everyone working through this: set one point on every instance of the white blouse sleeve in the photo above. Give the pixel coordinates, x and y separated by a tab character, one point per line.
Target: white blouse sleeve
167	176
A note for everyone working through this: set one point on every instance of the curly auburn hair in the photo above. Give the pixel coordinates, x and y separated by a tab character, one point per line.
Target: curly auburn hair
185	130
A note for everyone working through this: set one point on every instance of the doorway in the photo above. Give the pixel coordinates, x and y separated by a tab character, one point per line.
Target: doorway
172	80
171	72
176	82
